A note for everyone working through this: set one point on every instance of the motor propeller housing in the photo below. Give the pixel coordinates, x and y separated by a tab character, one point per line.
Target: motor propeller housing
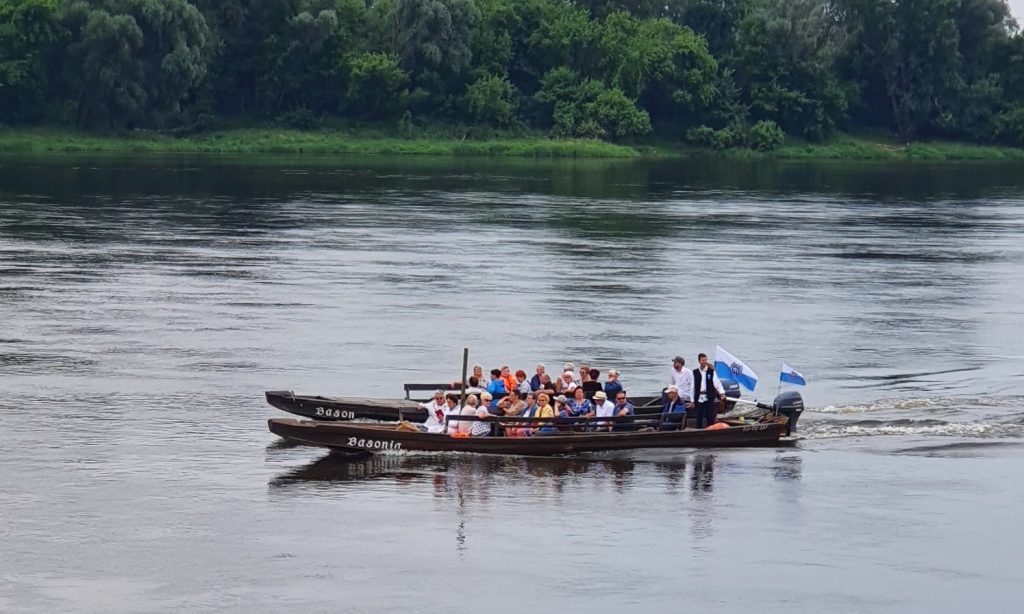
791	405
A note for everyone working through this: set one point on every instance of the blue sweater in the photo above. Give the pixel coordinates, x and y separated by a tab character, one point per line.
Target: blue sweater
676	407
612	389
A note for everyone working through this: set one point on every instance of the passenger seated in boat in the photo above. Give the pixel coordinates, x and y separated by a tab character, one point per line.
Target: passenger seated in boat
481	428
488	403
511	405
566	384
623	409
531	402
436	411
544	410
546	385
497	385
478	373
673	410
466	426
612	386
522	429
522	385
508	378
603	408
579	405
563	409
535	381
591	385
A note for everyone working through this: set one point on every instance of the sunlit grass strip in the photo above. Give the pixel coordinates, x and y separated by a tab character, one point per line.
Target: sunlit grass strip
296	142
274	141
855	148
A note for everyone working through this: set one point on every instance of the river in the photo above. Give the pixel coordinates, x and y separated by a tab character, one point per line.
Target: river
147	303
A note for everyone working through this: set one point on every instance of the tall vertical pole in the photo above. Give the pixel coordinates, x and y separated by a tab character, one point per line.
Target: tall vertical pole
465	366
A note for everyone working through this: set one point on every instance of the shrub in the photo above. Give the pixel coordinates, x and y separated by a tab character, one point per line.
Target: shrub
376	87
1010	127
619	115
706	136
491	100
586	108
300	119
765	135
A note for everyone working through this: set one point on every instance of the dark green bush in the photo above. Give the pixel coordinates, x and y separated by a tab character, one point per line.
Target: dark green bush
765	135
706	136
299	119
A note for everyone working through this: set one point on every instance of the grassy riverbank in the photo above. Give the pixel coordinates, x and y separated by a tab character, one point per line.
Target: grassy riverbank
284	141
263	141
845	147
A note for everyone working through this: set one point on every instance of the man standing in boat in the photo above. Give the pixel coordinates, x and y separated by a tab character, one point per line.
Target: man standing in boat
682	379
707	391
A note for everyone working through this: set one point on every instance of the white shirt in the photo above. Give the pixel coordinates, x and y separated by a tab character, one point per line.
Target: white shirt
604	410
683	380
433	409
440	426
717	383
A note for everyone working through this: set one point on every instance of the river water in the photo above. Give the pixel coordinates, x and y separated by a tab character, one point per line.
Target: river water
147	303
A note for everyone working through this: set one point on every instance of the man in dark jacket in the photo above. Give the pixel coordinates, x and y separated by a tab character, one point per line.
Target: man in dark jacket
707	391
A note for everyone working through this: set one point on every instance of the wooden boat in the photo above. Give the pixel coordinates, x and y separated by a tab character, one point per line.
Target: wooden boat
352	437
393	410
388	410
346	408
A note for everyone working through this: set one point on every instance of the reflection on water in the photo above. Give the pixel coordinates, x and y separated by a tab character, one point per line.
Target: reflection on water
788	467
475	476
452	472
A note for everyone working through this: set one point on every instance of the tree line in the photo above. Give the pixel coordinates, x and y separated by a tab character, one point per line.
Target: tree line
718	73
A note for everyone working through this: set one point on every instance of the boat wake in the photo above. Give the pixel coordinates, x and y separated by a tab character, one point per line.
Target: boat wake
963	417
950	429
934	404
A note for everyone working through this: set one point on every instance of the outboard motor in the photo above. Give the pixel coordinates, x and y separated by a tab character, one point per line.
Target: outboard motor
791	405
732	391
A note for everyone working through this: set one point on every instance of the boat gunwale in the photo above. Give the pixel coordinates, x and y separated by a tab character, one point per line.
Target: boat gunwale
386	438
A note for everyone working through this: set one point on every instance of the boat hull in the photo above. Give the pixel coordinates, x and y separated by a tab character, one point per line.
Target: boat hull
386	410
344	408
351	437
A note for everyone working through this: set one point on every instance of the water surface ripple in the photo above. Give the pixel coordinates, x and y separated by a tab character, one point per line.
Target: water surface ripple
148	303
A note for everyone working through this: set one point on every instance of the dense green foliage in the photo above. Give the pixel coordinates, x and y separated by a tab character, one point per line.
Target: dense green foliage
717	73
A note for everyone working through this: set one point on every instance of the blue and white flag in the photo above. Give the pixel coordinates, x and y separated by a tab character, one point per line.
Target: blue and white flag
729	367
792	376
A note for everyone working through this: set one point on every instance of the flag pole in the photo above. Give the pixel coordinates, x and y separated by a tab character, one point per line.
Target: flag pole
462	398
465	365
